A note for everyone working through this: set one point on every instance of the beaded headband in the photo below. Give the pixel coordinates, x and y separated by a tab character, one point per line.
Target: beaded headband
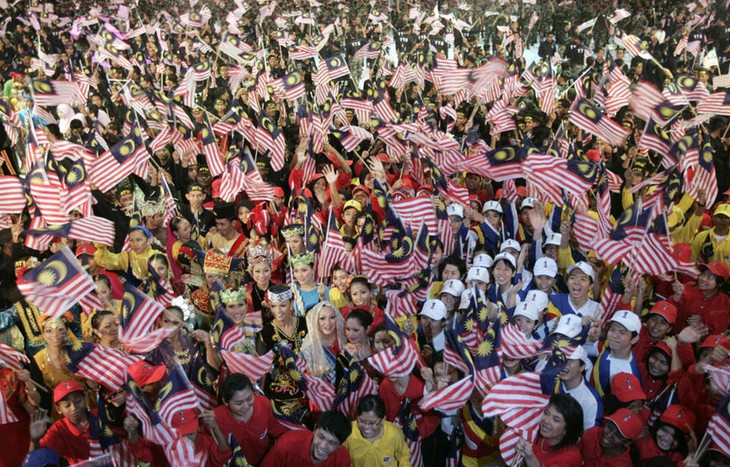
282	296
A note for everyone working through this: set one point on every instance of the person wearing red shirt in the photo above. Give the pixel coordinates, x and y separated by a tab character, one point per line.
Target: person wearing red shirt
248	417
323	447
608	445
556	445
658	324
696	302
669	436
70	436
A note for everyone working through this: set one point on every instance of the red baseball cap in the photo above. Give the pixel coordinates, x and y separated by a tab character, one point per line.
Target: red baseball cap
85	249
679	416
185	421
715	340
143	373
628	423
626	388
718	268
666	310
65	388
361	188
593	155
278	191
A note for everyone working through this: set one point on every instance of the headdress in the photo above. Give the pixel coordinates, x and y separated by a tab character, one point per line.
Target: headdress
279	293
216	263
233	296
306	258
292	230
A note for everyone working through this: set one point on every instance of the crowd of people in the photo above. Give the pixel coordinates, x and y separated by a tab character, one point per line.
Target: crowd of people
351	233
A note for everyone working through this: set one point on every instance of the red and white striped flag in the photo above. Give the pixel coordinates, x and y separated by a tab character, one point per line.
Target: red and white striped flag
516	345
452	397
6	413
139	313
57	284
395	361
148	342
13	199
11	358
321	393
105	365
253	367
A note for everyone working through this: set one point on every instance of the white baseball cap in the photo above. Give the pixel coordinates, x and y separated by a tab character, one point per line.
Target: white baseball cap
455	210
545	267
453	287
507	257
483	260
569	326
538	298
528	310
579	353
492	206
528	202
585	267
627	319
477	273
434	309
510	243
553	239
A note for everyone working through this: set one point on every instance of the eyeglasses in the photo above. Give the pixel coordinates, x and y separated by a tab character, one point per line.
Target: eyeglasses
367	423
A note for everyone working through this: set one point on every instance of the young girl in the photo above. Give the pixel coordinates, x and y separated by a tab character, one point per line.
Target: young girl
309	292
361	297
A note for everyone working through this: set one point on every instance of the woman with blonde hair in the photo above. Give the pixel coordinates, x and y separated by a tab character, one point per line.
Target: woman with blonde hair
325	339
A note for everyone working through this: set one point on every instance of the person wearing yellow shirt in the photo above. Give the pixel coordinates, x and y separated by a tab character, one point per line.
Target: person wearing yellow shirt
374	440
134	260
714	244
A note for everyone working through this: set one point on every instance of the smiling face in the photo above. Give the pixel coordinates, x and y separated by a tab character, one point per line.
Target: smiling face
657	327
324	443
360	294
451	271
54	333
572	371
502	273
108	328
618	337
707	282
172	319
304	274
370	425
236	311
327	321
355	332
666	438
579	283
552	425
241	404
545	283
657	364
281	311
611	437
383	340
261	273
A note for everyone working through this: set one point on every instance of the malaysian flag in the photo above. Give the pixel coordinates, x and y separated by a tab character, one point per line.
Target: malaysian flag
370	50
685	89
717	103
176	395
575	175
178	450
269	137
335	67
149	341
127	156
53	92
629	231
504	163
719	427
612	293
106	366
587	117
291	85
232	180
138	315
13	199
352	136
352	384
704	177
647	102
11	358
333	249
618	15
656	139
88	229
211	150
57	284
253	184
253	367
6	413
320	392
